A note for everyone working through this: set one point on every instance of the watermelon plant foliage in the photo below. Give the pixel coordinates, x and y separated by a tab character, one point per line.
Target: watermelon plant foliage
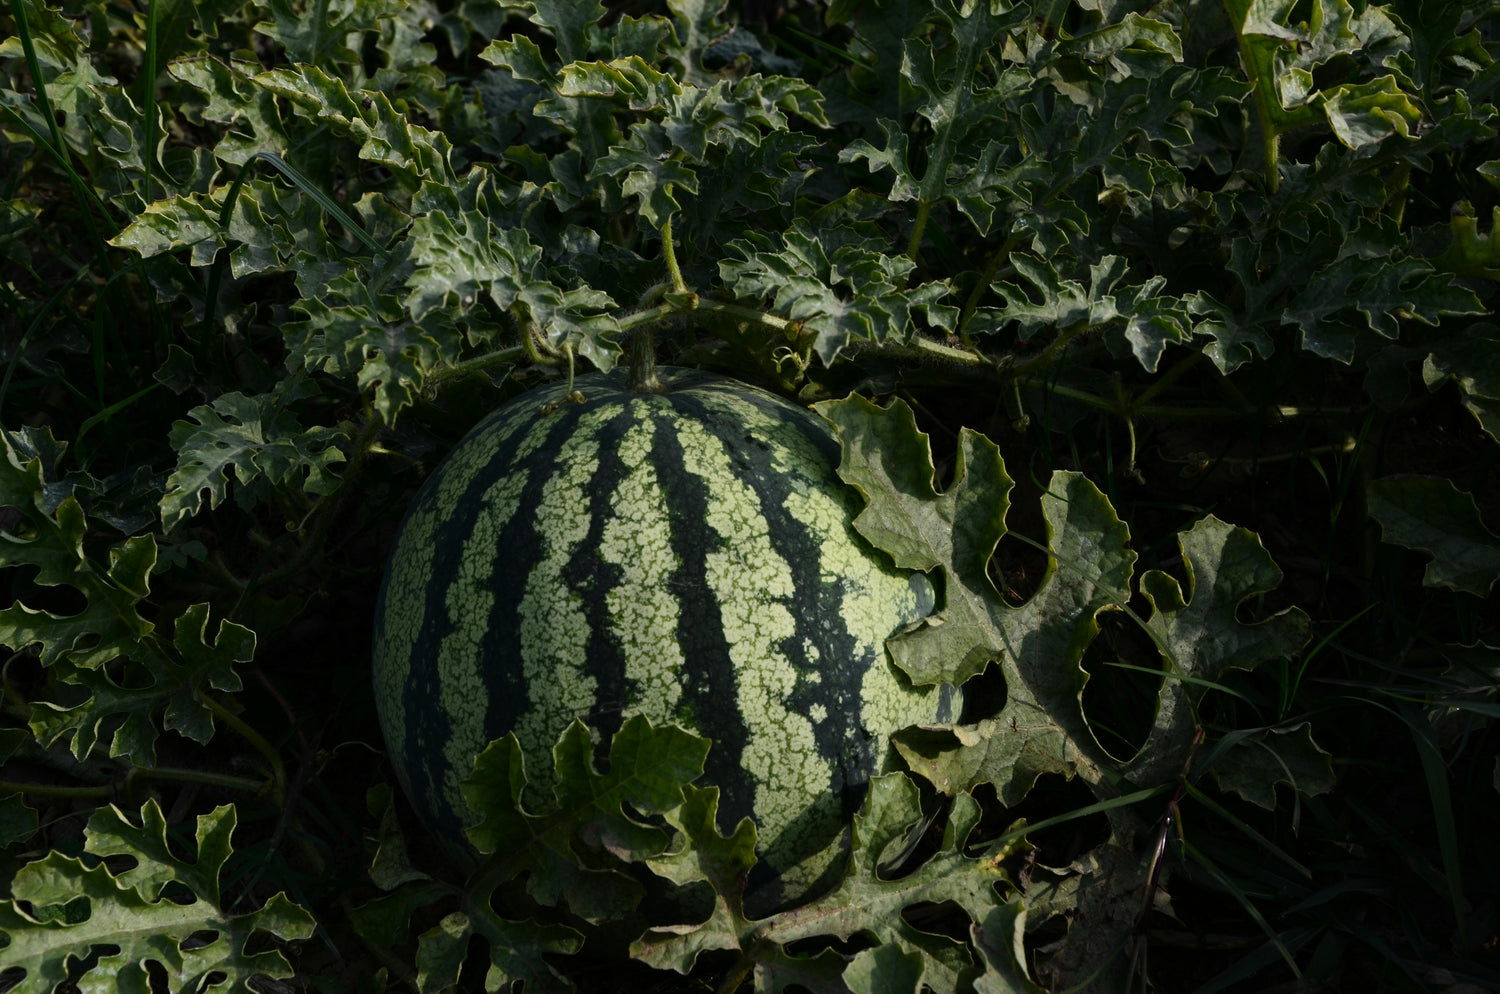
1159	335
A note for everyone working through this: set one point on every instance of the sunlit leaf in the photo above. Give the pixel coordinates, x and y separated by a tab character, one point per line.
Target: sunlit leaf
129	913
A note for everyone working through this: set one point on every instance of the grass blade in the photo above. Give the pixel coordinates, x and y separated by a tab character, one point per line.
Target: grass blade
324	201
1436	773
998	844
1247	831
1243	899
148	100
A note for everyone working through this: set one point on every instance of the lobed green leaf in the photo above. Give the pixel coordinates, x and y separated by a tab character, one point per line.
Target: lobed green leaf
189	942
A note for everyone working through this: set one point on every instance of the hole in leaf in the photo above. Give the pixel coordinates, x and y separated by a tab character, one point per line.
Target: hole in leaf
10	978
157	980
119	863
814	944
13	522
1017	569
1051	796
1119	699
60	599
945	918
943	466
200	939
1047	933
906	855
985	695
1254	610
80	968
476	964
178	893
369	54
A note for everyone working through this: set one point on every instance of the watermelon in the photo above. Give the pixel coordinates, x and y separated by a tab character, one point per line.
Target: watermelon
687	555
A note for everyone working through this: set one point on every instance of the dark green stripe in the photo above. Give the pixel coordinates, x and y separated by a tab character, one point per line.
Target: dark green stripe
589	576
840	738
710	699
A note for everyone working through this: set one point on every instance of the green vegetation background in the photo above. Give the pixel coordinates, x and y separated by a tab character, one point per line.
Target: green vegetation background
1169	329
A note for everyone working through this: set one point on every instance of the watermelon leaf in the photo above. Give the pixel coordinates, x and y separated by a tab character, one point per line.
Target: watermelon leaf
864	903
1000	941
17	819
386	921
131	911
170	682
723	862
596	821
1435	517
647	770
51	540
1038	646
1255	764
516	952
838	284
885	969
263	446
1197	630
1472	361
957	109
151	676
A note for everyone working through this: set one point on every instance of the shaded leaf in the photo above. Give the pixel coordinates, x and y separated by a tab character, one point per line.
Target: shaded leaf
516	952
723	862
1435	517
836	283
947	79
864	902
1198	632
1062	303
171	684
1255	764
884	970
1038	645
648	768
263	445
1471	360
52	541
1000	941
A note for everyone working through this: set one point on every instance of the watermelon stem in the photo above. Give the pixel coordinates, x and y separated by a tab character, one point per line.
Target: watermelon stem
643	378
669	252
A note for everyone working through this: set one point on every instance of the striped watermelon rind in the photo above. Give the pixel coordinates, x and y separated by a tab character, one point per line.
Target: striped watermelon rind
688	556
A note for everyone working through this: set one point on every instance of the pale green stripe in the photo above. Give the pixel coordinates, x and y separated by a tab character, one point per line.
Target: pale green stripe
554	627
871	597
643	610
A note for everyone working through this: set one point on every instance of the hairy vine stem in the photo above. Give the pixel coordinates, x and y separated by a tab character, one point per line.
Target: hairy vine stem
669	252
478	364
257	741
173	773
